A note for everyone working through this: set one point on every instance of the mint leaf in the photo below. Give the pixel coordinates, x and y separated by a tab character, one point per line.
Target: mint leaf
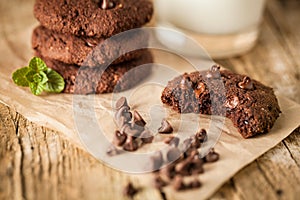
30	76
44	77
34	77
37	64
38	77
55	82
19	77
36	88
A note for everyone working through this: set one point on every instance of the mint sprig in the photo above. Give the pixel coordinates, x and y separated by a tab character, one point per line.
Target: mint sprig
38	77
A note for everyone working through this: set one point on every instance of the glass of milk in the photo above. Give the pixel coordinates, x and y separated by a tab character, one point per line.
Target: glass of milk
223	28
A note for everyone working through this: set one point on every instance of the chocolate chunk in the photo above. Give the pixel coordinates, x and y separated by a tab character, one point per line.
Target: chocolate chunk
106	4
178	183
199	89
173	154
246	83
165	127
121	103
112	151
185	83
131	144
159	183
137	119
232	103
130	190
201	135
172	141
119	138
146	136
212	156
214	72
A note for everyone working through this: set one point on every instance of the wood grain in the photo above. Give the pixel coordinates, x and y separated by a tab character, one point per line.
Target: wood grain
39	163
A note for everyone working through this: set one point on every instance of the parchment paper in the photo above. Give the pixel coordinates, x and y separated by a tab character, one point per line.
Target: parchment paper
59	112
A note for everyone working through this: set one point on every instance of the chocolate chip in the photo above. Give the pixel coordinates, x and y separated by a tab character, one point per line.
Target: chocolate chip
123	111
165	127
122	121
130	190
146	136
137	119
156	161
106	4
246	83
194	183
128	116
178	183
201	135
119	138
169	171
214	72
197	166
215	68
136	129
184	167
159	183
194	153
112	151
212	156
131	144
186	144
172	141
173	154
195	143
121	103
127	129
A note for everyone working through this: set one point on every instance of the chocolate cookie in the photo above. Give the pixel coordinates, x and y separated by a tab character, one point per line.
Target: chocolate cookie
91	18
115	78
252	106
89	51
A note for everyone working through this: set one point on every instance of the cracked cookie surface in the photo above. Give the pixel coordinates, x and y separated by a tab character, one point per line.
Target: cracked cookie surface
252	106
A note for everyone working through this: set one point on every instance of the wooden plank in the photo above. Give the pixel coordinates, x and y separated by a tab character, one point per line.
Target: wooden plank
38	163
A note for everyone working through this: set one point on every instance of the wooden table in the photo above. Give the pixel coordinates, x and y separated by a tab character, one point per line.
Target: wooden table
29	170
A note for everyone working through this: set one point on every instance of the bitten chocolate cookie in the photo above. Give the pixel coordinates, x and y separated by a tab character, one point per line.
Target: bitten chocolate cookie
91	17
86	50
116	78
252	106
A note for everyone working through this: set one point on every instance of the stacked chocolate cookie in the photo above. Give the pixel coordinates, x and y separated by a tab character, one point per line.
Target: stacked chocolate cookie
94	44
